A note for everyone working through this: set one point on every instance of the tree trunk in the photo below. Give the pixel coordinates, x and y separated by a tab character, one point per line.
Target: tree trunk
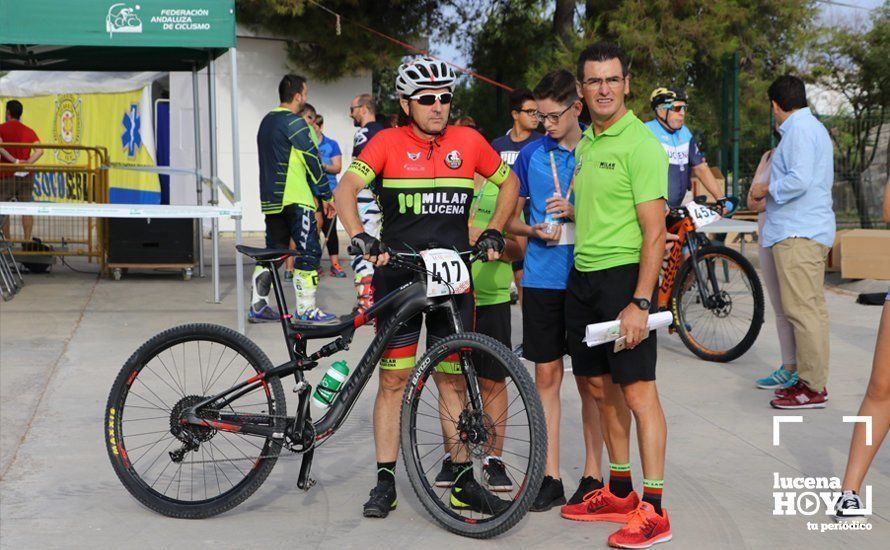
563	19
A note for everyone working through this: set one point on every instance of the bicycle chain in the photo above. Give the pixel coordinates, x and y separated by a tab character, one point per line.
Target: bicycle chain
293	454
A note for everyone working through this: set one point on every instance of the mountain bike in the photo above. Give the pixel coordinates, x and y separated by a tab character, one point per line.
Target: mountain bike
196	418
713	291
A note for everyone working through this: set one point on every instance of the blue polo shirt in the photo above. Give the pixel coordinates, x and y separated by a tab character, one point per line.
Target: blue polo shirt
545	266
329	149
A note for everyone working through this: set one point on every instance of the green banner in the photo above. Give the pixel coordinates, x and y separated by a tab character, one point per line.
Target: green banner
136	23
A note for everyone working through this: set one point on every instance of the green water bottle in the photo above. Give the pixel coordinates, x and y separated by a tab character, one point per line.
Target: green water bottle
333	380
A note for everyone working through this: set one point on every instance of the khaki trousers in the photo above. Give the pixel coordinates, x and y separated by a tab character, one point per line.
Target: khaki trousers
800	266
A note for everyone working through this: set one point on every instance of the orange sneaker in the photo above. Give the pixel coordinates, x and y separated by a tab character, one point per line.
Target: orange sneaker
644	528
602	505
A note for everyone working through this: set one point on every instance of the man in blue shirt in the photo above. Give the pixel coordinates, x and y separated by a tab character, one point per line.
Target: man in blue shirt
800	229
685	157
545	169
332	161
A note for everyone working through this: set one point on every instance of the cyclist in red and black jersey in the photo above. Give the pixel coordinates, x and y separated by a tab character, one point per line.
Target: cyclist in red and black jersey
425	191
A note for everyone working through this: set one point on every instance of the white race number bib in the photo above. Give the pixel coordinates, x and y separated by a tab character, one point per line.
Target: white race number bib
448	273
701	215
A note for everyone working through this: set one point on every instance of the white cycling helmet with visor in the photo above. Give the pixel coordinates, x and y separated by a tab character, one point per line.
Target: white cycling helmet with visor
424	73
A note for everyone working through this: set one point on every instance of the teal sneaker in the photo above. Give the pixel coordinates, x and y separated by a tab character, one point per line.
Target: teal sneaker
779	379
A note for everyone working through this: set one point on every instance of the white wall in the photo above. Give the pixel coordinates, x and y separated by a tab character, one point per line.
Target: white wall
261	64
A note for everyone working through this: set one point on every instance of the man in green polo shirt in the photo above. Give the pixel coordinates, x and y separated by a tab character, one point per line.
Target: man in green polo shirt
621	175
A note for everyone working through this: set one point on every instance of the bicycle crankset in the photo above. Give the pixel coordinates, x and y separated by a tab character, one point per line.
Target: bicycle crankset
303	441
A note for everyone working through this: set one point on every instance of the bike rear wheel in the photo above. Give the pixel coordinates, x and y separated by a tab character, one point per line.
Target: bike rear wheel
510	426
175	370
725	325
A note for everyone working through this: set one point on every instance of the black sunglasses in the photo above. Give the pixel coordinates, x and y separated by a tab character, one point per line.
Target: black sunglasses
430	99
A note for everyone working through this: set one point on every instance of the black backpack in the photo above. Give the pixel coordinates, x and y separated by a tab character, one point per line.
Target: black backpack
37	264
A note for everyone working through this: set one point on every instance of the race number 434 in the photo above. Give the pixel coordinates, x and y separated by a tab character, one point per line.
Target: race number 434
447	272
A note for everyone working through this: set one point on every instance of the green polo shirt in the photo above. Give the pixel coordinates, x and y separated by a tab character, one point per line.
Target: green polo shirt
491	280
615	171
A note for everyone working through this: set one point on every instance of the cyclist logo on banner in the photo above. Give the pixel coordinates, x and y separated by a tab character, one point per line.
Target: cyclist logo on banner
447	272
122	18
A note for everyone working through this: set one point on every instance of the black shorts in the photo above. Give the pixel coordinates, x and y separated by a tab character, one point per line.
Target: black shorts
595	297
494	321
295	223
543	324
401	350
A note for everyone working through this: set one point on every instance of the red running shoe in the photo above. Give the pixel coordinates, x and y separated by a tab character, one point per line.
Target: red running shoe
785	392
800	397
644	528
602	505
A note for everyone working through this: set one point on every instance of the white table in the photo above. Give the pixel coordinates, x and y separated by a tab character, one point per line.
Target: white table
728	225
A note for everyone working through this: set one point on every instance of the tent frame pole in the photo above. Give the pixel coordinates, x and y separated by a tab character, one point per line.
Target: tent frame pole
199	223
236	182
214	188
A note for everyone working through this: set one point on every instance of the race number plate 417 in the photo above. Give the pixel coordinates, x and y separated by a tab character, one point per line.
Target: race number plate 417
448	274
701	215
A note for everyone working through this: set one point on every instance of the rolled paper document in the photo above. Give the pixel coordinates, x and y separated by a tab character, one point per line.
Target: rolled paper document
601	333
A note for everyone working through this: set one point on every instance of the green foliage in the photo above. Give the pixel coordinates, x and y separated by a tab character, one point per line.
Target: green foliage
511	38
669	43
314	44
856	64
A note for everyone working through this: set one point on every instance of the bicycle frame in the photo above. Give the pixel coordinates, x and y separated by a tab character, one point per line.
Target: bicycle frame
684	228
406	301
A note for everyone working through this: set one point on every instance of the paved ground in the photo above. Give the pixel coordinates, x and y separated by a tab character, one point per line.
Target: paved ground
64	338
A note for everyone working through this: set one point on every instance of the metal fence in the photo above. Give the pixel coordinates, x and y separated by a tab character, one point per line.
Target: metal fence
83	182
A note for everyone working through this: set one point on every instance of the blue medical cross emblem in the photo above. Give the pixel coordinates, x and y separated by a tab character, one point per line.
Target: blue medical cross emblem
131	139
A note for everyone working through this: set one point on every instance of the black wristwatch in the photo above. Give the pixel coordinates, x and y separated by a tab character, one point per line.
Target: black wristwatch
642	303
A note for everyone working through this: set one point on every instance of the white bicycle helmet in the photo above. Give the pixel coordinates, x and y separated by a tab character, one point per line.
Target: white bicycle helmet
424	73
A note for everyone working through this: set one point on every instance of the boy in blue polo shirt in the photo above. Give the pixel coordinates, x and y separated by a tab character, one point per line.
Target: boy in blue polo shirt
545	169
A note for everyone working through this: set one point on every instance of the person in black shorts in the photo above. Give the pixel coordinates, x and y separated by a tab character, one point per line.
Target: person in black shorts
620	197
408	162
542	167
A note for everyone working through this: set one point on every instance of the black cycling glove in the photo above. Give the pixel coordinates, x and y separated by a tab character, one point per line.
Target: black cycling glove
730	203
490	239
366	245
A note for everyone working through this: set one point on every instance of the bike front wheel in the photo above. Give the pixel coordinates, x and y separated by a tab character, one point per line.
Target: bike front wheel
724	324
183	470
439	420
